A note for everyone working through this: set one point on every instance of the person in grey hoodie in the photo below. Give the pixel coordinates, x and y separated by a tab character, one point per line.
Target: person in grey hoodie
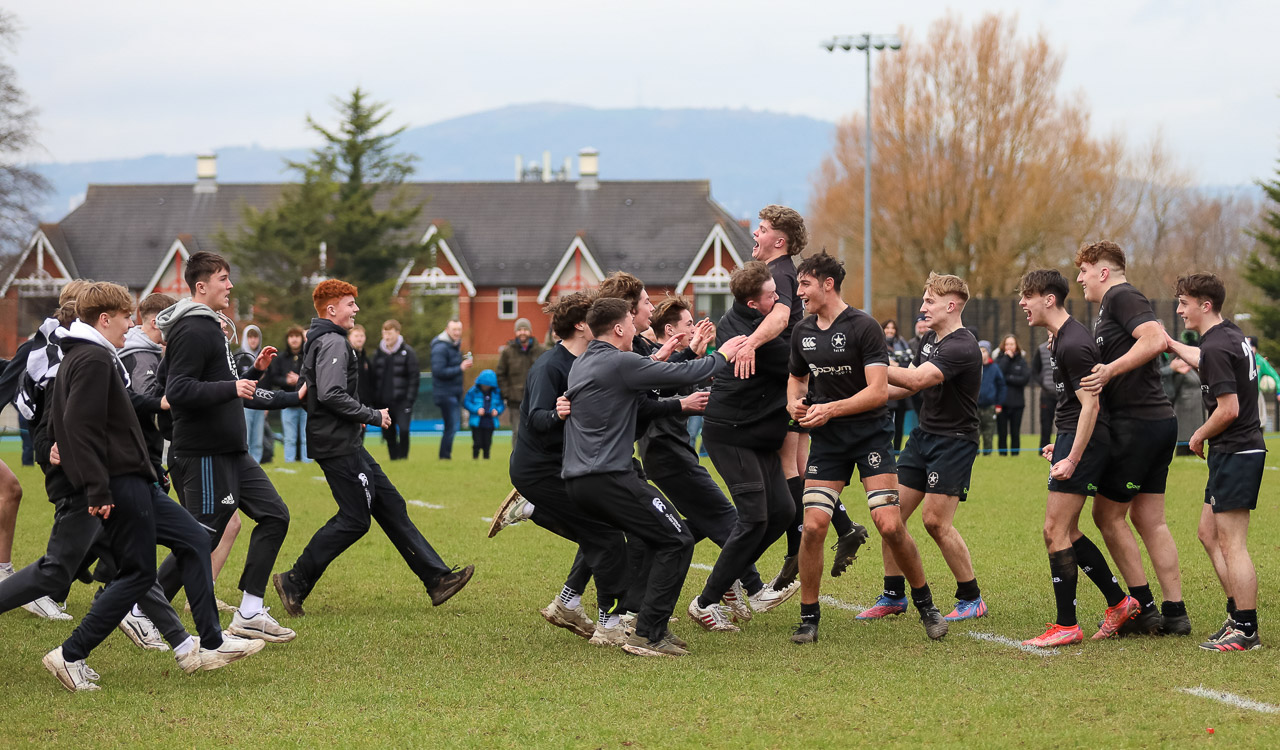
606	384
255	420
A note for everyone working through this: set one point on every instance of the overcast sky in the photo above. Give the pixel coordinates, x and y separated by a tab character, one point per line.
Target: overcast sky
141	76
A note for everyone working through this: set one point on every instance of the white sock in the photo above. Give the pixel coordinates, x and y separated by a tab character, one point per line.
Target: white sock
575	602
137	612
527	510
611	621
250	605
6	567
184	647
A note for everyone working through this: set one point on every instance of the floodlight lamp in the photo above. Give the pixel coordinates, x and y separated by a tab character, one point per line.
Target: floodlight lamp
861	46
895	44
846	46
879	45
829	45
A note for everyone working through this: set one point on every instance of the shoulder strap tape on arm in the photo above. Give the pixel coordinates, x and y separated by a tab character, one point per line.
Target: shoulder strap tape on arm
821	498
881	498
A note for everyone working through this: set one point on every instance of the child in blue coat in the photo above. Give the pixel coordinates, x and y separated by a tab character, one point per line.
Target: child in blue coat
484	402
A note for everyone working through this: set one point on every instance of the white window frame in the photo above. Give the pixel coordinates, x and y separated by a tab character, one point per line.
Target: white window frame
508	294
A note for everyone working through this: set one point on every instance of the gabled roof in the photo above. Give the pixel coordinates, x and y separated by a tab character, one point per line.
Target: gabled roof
501	233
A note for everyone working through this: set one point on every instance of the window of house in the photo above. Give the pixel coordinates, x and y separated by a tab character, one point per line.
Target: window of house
507	308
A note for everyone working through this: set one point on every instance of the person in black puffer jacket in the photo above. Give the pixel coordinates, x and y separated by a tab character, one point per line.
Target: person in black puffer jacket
1017	373
395	376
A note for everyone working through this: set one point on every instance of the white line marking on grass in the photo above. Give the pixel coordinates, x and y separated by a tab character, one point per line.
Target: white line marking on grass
699	566
421	504
1231	699
283	470
486	520
318	479
834	602
993	638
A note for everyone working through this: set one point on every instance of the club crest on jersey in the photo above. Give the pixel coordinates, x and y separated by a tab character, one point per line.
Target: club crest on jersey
837	341
808	343
933	479
928	350
874	459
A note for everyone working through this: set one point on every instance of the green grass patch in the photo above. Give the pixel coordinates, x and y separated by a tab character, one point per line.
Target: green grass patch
375	664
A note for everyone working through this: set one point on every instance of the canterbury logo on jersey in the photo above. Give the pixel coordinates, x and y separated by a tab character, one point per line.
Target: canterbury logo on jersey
808	343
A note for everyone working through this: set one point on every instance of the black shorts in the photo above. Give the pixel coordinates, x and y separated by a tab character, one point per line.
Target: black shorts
1141	450
836	448
1084	480
937	464
1234	480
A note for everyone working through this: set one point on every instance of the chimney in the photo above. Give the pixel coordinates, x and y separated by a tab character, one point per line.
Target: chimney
546	166
206	173
519	168
588	169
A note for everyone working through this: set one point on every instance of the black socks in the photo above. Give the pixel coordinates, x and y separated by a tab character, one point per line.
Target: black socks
1063	568
1143	595
1247	621
810	613
922	597
1095	566
895	587
968	590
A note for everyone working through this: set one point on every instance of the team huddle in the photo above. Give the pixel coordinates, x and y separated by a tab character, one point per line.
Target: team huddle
792	384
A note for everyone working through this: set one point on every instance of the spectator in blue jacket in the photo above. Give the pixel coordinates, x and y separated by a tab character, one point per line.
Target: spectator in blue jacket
484	404
447	366
990	396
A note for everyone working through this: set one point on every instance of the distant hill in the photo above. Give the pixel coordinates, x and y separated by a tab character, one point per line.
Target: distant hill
751	158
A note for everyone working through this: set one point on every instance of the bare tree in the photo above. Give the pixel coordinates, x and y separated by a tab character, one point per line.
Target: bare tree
982	168
20	186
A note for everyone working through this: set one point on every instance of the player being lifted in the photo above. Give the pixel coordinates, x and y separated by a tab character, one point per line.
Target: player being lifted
935	466
838	390
1077	460
1144	431
1237	454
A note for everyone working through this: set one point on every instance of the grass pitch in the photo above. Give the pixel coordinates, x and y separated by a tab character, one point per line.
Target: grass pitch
375	664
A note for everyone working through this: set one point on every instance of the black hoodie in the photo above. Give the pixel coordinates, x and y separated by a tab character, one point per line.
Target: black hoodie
93	423
331	371
749	413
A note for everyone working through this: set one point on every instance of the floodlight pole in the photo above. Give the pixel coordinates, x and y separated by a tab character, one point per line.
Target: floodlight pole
864	43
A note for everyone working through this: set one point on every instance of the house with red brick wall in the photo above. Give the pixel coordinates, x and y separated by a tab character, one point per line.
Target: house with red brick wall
502	249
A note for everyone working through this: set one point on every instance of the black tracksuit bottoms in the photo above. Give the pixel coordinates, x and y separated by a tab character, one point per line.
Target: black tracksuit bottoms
601	546
624	500
765	509
131	534
709	513
75	532
364	494
213	488
397	435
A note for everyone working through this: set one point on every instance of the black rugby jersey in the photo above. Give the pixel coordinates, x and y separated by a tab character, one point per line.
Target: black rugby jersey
835	358
950	408
784	278
1227	365
1073	355
1136	394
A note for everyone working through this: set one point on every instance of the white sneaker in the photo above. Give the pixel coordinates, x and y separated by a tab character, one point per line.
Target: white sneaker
735	599
572	619
509	513
222	606
767	598
42	607
143	633
714	617
233	648
614	636
73	675
262	627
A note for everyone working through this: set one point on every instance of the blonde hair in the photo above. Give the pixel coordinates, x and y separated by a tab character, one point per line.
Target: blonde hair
944	284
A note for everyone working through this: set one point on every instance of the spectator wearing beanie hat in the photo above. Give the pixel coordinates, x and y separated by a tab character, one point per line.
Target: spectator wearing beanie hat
518	355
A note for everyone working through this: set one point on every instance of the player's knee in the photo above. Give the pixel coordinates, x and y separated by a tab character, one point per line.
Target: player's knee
937	526
819	504
10	489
